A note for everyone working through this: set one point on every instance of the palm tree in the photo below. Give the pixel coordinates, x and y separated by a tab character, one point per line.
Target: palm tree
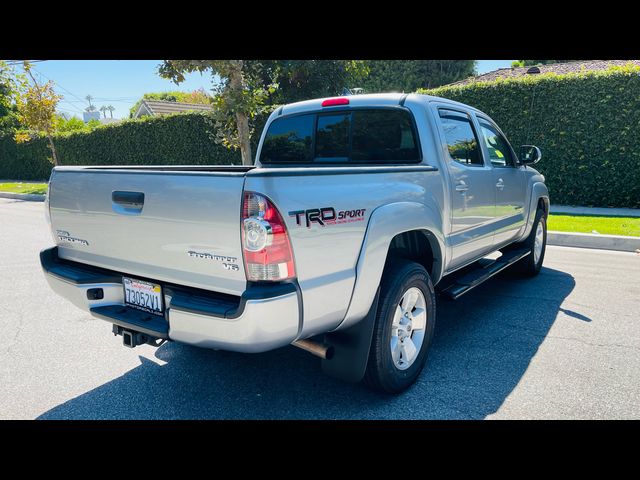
104	109
90	108
111	108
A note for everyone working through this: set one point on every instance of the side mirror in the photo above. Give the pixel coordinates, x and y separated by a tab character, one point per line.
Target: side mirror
530	154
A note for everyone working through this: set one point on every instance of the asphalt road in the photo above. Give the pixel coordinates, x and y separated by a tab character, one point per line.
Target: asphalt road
563	345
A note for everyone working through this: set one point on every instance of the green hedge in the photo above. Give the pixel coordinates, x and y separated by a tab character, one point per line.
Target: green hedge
586	124
172	140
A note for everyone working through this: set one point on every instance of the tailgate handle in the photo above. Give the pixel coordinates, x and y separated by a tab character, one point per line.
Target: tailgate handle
128	199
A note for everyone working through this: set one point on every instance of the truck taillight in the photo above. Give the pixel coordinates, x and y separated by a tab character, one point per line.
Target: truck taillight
265	242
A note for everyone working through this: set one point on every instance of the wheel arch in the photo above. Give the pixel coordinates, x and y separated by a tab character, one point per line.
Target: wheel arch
412	228
539	196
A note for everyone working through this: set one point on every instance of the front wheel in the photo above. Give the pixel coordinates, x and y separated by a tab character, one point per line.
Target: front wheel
536	242
404	327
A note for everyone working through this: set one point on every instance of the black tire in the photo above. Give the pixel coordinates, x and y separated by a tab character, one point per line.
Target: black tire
382	373
528	267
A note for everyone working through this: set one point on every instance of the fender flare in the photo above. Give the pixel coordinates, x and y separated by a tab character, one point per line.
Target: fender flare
538	190
385	223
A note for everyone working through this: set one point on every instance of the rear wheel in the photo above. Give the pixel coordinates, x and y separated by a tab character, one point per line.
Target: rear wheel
404	327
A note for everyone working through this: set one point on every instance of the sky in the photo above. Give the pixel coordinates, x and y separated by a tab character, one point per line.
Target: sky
123	82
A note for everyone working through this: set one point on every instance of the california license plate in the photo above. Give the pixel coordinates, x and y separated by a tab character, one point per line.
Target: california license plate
143	295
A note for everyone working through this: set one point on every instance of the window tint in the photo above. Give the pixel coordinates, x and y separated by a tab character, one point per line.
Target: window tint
288	140
332	136
362	136
460	137
499	151
383	136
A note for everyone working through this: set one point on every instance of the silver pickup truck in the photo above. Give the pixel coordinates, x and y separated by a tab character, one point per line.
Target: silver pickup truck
358	213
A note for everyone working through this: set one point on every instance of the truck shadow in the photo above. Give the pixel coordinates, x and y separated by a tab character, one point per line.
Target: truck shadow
483	345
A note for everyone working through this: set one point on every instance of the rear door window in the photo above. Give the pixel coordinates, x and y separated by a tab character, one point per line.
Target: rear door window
372	136
461	138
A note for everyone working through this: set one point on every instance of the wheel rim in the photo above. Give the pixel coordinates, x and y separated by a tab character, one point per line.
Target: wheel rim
538	243
408	328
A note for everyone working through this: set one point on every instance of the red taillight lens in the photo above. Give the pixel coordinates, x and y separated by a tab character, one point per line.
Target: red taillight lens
265	242
330	102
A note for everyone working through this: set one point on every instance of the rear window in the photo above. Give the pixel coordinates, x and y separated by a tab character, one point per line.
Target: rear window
354	136
289	140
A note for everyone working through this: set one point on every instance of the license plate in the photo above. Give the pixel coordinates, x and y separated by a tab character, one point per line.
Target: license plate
143	295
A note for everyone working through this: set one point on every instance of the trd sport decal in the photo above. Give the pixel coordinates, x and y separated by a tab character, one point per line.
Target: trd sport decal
327	216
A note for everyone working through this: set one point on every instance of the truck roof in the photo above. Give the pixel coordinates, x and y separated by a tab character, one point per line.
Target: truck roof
365	100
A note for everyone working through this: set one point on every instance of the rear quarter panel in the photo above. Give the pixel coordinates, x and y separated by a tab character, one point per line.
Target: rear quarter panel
326	256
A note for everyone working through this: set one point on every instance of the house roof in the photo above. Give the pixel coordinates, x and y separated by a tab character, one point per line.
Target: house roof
559	68
162	107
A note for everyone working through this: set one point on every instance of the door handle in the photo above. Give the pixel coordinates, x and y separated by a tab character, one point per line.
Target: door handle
128	199
127	203
461	186
500	184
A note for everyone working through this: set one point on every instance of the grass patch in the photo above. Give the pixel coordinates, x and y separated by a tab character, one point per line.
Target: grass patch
628	226
39	188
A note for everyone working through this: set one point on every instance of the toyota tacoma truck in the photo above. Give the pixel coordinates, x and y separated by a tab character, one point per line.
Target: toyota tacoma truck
358	213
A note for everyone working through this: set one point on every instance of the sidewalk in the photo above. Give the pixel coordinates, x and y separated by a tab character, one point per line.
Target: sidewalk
607	212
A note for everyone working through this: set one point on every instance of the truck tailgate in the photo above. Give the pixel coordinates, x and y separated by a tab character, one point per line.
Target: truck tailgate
180	227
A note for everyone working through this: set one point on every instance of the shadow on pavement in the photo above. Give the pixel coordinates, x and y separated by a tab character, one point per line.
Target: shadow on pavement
483	345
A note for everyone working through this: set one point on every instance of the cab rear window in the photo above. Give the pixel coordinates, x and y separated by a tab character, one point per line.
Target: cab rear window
377	136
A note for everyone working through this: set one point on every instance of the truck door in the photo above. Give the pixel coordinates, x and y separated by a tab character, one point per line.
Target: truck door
508	179
472	189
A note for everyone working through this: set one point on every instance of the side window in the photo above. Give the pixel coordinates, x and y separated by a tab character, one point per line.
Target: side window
461	138
499	150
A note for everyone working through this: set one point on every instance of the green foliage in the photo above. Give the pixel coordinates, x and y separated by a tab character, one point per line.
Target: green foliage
305	79
8	110
73	124
409	75
587	125
180	139
527	63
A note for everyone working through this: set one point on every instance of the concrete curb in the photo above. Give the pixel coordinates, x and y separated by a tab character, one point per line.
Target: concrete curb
29	197
606	212
590	240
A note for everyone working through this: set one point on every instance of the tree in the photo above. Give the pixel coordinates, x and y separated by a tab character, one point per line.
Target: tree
306	79
36	106
103	109
90	108
527	63
72	124
409	75
250	87
111	108
239	96
8	110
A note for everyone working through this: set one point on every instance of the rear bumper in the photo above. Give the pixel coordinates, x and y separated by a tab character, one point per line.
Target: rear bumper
262	319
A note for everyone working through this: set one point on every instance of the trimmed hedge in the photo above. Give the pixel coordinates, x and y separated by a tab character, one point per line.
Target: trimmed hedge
172	140
586	124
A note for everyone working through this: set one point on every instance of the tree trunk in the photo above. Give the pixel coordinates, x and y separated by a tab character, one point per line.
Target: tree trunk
243	135
242	120
53	151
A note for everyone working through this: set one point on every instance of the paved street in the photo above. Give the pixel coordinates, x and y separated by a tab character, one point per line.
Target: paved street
563	345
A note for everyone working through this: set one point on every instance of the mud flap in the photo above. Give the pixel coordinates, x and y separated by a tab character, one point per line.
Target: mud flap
351	348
